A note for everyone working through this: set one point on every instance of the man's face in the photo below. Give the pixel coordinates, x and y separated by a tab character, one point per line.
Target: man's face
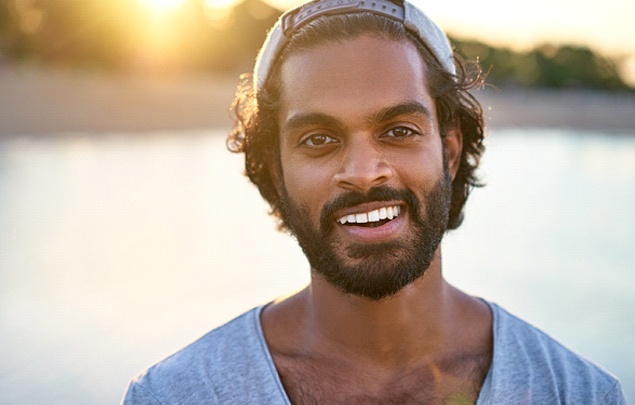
364	184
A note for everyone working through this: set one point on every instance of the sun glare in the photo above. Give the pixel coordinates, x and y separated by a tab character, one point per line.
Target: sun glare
162	6
219	4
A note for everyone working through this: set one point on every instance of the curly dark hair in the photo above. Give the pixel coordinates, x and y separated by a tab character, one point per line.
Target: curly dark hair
255	130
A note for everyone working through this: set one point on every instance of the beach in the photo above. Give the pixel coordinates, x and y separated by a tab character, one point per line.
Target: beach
49	101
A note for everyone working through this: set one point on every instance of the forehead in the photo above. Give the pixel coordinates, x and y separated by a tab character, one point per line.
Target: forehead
364	73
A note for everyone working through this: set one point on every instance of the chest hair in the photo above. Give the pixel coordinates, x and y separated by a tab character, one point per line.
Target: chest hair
456	380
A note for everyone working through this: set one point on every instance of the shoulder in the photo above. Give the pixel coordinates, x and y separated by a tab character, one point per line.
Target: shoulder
534	368
209	370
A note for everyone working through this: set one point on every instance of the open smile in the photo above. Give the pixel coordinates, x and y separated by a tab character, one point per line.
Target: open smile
373	216
373	223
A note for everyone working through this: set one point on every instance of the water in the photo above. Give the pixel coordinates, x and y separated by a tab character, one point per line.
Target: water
116	250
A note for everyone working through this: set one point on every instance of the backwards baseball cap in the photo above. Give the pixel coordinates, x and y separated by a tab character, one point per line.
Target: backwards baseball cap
412	18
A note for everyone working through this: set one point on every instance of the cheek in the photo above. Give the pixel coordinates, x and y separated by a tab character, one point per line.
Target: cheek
307	187
420	171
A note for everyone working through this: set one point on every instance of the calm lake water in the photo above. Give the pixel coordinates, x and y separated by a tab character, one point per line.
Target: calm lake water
118	249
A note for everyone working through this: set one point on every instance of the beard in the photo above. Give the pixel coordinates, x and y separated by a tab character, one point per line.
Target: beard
379	270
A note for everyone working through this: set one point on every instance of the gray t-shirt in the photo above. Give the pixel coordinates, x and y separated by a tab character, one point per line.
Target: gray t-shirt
232	365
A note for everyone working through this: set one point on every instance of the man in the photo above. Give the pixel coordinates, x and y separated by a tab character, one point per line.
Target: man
359	131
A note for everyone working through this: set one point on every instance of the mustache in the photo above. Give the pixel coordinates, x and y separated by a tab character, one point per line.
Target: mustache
354	198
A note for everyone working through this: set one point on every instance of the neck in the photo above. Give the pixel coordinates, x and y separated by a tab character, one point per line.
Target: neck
422	322
427	338
418	319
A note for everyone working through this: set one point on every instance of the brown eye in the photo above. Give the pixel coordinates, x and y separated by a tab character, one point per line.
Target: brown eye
401	132
318	140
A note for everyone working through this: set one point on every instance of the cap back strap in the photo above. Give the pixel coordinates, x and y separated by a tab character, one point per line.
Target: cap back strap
296	18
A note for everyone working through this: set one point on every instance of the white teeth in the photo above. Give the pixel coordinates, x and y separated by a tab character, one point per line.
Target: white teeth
371	216
361	218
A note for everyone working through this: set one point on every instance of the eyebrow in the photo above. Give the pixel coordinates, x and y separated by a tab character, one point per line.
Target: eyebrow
407	108
300	120
315	118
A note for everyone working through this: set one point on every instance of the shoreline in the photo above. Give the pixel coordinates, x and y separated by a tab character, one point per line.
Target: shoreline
47	101
576	109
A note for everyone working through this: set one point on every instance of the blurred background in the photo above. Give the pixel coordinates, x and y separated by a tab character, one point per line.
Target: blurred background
127	230
550	44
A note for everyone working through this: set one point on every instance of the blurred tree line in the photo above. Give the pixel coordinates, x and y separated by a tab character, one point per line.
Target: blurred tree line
125	35
545	66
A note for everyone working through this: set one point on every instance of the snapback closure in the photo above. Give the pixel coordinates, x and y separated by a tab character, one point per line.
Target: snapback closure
294	19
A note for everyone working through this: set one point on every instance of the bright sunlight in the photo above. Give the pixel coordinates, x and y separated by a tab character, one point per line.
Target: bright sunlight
219	4
162	7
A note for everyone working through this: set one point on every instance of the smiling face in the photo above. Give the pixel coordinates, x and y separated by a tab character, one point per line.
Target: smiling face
364	184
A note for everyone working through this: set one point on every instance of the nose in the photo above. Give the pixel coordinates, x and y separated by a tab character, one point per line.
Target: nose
363	167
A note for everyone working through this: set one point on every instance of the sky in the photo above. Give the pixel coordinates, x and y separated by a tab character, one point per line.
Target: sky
605	25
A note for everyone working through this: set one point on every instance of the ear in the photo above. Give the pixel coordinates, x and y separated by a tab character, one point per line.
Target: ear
453	144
